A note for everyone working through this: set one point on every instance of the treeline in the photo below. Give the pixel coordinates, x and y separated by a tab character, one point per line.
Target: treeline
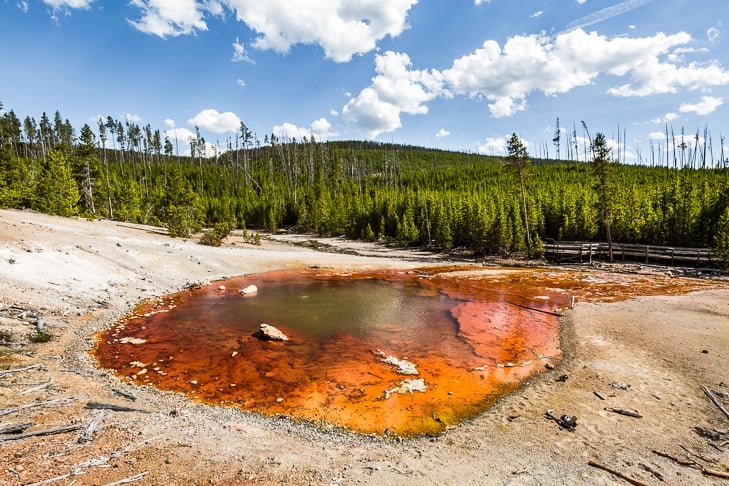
401	194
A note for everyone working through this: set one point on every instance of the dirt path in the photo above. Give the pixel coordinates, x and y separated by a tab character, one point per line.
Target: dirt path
81	276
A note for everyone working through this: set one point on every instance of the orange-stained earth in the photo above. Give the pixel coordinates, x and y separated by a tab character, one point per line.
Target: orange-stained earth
472	336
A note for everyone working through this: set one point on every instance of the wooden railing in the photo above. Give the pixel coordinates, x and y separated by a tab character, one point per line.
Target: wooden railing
581	252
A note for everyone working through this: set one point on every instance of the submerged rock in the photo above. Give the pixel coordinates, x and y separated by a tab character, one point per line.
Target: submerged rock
270	333
407	386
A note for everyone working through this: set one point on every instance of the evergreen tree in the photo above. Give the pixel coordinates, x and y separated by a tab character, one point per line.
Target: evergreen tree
56	191
519	162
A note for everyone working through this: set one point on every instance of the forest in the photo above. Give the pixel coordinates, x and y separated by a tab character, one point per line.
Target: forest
399	194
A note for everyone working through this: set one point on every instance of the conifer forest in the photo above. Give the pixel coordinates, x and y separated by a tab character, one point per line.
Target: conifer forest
677	196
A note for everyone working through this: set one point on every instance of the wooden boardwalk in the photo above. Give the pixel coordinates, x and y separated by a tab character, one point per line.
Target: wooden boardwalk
581	252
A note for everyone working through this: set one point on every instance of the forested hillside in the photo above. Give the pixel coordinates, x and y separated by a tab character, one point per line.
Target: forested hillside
408	195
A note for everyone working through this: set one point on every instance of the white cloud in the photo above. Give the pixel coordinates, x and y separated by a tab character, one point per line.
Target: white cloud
493	146
23	6
395	90
479	2
169	17
321	129
506	76
179	135
333	112
713	34
581	1
667	118
656	136
213	121
240	82
170	122
536	14
239	52
442	133
59	4
181	138
707	105
342	28
132	117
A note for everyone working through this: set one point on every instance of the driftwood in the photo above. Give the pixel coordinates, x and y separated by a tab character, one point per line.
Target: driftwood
77	470
16	429
36	388
92	428
113	408
617	473
598	395
694	464
678	461
715	473
534	309
37	433
622	411
130	479
654	473
697	455
715	401
565	421
20	370
124	394
47	403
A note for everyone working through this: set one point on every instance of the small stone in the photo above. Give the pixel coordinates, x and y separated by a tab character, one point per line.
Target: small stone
222	287
549	366
193	382
279	400
251	289
269	333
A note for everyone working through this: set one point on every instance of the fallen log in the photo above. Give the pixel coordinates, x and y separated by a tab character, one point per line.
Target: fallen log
534	309
113	408
46	403
622	411
717	474
130	479
16	429
38	433
20	370
715	401
617	474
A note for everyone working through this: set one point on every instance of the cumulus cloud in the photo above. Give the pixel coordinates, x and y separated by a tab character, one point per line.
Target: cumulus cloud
170	122
60	4
668	117
493	146
239	52
240	82
181	139
657	136
506	75
213	121
396	89
342	28
442	133
707	105
132	117
320	129
171	18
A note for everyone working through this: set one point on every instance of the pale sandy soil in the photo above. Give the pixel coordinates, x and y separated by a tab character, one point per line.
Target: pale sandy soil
82	276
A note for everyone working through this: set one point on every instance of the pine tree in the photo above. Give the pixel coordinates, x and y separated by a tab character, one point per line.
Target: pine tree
56	191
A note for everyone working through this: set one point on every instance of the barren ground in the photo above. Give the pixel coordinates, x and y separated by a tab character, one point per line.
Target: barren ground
81	276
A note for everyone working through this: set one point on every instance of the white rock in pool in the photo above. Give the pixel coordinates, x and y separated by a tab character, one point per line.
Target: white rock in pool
269	333
251	289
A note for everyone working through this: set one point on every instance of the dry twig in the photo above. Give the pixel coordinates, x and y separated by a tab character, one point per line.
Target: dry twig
617	473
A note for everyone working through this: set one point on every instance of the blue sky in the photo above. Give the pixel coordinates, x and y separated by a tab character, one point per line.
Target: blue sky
457	74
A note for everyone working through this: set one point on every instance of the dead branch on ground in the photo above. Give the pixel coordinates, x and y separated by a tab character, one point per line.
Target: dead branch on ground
617	473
